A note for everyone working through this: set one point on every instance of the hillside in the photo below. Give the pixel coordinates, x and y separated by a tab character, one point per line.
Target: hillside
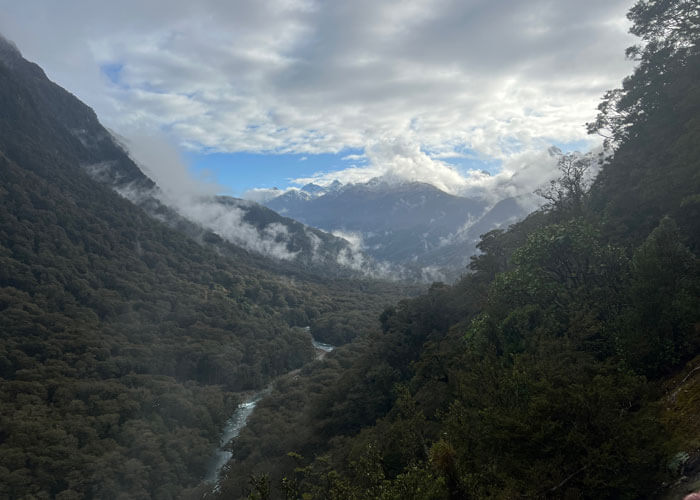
564	365
125	341
293	246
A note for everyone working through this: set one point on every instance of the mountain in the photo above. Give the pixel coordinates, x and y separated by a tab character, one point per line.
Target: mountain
262	231
128	330
455	250
311	244
408	223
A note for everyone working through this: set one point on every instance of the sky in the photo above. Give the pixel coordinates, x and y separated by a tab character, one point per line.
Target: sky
243	96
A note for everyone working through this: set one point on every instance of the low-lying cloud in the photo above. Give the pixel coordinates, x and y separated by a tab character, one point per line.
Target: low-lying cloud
228	222
194	198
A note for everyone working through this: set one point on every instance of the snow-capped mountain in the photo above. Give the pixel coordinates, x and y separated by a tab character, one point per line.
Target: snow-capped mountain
407	223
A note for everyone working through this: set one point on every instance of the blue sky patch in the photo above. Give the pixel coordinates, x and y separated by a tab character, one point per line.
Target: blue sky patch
113	71
243	171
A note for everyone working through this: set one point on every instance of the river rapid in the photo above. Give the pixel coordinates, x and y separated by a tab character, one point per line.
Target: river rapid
231	431
238	420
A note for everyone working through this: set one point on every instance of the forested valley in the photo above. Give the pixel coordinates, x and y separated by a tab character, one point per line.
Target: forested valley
563	363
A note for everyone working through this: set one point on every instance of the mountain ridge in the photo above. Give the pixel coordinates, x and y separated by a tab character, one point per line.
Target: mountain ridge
408	223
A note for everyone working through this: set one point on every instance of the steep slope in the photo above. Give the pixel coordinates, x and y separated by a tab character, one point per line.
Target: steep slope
454	251
312	244
123	340
262	231
34	108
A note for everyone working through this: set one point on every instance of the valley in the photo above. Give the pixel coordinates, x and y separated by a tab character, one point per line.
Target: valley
375	337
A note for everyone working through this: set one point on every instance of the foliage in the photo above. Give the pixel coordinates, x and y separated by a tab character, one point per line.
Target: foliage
670	31
566	195
652	122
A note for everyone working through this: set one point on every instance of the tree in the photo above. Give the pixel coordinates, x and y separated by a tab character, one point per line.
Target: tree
567	193
673	24
657	331
492	259
670	31
261	487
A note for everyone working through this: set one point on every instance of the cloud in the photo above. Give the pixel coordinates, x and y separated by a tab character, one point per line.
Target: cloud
444	76
194	198
355	157
518	176
261	195
160	159
353	237
396	160
228	222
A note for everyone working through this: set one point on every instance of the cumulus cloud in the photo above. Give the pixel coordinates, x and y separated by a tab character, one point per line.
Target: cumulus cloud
395	160
434	76
520	174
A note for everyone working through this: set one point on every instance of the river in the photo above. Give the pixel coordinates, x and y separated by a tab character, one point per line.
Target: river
322	347
238	421
231	431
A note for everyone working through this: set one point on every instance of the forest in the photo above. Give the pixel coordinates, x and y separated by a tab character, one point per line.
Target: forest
565	361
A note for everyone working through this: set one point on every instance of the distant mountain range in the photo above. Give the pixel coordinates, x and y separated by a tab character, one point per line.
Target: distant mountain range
411	224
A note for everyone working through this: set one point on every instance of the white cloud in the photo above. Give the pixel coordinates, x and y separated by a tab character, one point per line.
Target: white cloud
162	162
228	222
261	195
195	199
520	174
355	157
411	83
395	160
353	237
